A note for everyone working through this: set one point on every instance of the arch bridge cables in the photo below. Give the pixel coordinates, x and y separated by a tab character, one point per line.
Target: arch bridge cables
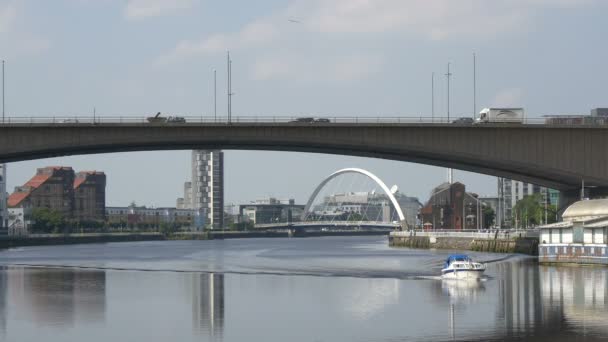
366	173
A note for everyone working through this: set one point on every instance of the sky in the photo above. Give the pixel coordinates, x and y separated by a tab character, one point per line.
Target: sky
342	58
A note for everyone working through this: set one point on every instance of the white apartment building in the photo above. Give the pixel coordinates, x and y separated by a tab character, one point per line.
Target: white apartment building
208	185
509	192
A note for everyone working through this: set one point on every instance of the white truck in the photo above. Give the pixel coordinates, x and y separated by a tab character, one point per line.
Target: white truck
501	115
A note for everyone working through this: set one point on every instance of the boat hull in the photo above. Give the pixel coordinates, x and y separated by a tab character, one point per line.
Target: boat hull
462	274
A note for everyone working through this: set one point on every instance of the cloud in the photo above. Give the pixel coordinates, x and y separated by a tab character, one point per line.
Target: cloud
361	19
19	42
511	97
309	69
138	9
8	14
435	20
253	35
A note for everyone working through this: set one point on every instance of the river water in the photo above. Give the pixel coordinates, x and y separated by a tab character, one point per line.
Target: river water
312	289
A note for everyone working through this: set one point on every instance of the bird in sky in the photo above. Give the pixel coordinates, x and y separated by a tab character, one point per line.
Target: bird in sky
295	21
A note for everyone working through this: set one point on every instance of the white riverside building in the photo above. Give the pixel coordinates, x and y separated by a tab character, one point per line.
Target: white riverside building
581	238
3	198
205	192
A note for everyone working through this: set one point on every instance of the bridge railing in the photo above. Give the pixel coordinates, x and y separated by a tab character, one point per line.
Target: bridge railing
222	120
328	224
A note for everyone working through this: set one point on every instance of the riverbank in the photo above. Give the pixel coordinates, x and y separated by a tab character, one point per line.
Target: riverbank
70	239
473	242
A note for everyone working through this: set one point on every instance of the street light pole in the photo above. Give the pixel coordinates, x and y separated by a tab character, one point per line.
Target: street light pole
3	91
432	97
448	75
214	95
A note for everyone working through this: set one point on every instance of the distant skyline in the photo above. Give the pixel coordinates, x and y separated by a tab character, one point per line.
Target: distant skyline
341	58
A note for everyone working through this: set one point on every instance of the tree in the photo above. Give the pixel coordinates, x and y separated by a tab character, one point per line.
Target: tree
168	229
530	211
488	216
47	221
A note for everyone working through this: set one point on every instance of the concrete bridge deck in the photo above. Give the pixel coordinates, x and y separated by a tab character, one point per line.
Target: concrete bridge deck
555	156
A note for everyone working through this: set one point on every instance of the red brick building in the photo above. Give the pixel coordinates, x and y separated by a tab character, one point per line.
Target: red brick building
450	207
90	196
80	197
52	187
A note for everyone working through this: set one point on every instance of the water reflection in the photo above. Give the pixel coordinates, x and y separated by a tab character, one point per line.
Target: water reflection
208	304
520	301
462	291
3	300
55	297
580	296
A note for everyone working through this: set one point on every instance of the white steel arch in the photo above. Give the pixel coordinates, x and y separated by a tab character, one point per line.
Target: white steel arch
370	175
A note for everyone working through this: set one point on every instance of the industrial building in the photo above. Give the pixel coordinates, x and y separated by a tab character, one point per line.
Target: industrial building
52	187
271	210
76	196
3	199
451	207
141	216
89	196
205	192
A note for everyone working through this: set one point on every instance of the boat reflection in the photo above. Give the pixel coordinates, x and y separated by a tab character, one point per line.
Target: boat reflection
462	290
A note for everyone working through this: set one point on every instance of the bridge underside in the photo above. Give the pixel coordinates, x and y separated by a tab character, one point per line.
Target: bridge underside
555	157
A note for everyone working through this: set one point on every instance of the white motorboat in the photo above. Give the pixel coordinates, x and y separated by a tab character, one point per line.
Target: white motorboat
461	266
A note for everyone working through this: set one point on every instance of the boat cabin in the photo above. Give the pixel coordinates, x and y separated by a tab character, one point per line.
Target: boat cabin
457	257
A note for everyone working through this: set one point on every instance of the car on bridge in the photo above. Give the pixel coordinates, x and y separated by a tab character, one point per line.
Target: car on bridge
311	120
463	121
176	119
304	120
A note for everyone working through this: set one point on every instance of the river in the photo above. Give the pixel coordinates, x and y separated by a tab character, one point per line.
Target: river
309	289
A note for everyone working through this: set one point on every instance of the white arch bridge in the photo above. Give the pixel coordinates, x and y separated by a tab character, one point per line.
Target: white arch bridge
308	219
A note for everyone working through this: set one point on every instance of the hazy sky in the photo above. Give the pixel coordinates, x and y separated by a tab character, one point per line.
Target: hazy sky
292	57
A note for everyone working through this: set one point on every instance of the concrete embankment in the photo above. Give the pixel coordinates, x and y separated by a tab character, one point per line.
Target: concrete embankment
473	242
60	239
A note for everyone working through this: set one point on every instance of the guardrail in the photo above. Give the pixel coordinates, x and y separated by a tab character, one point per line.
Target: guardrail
220	120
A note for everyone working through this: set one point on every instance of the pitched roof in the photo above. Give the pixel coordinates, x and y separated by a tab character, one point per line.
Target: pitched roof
15	198
18	196
37	180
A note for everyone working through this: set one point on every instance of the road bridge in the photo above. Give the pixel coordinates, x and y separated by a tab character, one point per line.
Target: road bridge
334	225
555	156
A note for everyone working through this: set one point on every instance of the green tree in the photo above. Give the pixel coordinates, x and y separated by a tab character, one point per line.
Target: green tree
530	211
168	229
47	221
488	216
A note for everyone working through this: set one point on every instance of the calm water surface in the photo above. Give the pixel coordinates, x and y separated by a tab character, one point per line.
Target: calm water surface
315	289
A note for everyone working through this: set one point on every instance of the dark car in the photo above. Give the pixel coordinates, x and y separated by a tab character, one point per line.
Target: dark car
324	120
463	121
304	120
176	119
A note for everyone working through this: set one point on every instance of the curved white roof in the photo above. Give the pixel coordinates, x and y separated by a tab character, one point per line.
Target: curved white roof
583	210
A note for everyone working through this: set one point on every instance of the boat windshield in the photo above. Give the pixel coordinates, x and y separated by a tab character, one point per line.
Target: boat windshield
458	257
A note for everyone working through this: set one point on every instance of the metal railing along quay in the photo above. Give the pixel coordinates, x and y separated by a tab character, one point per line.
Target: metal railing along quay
500	234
